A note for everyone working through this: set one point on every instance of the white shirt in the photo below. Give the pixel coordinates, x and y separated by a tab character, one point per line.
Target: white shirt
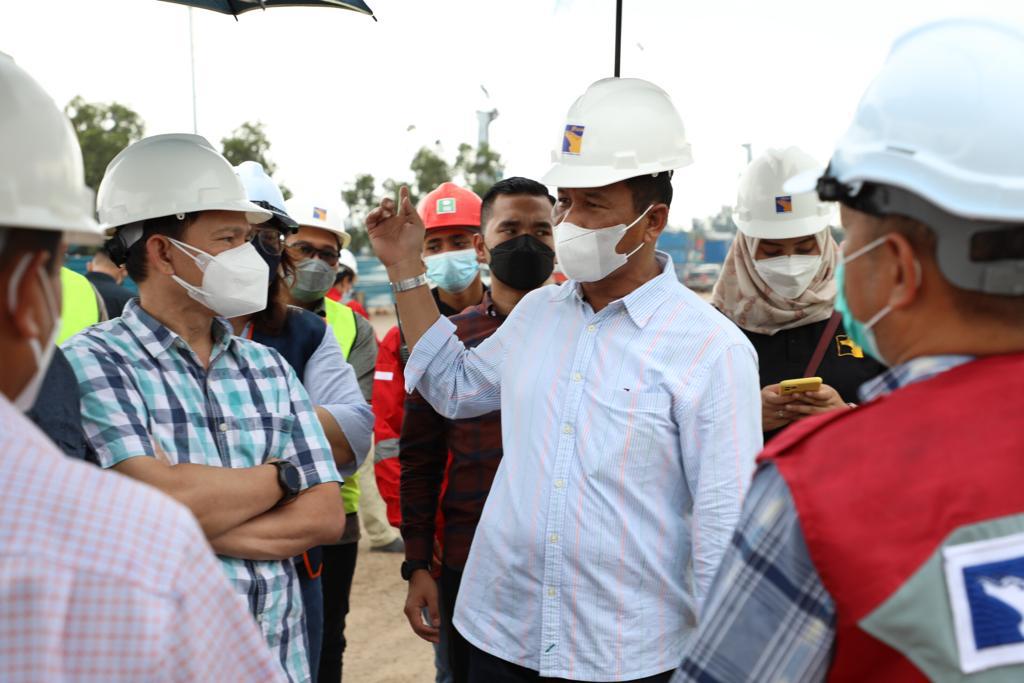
629	439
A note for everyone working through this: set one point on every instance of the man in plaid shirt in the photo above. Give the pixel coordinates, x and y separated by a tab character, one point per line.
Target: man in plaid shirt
101	578
170	397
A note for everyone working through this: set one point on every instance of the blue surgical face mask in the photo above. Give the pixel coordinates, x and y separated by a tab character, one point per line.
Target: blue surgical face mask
861	334
453	271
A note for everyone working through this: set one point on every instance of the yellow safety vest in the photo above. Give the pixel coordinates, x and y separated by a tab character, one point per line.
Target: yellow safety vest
79	309
342	321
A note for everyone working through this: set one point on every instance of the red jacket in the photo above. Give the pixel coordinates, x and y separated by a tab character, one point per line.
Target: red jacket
888	492
388	409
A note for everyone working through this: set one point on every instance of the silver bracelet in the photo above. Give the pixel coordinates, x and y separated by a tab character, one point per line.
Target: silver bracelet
410	283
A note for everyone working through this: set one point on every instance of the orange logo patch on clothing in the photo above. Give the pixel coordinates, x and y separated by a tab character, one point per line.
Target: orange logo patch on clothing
846	347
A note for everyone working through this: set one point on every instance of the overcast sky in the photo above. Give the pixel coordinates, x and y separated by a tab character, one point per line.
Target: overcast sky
338	91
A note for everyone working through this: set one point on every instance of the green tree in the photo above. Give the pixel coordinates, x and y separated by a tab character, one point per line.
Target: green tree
103	130
249	142
360	197
480	168
429	171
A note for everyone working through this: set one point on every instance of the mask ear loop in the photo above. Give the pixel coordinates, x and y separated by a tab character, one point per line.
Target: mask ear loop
631	226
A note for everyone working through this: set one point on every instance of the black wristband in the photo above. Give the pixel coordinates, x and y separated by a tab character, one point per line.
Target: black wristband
409	567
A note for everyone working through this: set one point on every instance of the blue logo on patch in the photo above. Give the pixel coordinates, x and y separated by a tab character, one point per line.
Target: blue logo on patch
995	597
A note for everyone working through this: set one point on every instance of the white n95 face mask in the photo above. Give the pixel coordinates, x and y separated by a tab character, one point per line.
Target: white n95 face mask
235	281
588	255
43	354
789	276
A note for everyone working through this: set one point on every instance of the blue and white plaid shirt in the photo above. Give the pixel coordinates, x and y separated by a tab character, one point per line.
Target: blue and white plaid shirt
140	382
769	616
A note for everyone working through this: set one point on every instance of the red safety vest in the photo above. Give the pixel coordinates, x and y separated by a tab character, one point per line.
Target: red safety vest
878	491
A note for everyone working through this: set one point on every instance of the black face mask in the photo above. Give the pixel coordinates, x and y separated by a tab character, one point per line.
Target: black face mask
523	262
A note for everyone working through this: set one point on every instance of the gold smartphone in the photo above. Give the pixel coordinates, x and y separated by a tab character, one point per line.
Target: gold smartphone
799	386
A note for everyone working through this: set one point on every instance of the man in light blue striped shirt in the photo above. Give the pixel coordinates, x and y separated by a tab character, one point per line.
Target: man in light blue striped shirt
630	417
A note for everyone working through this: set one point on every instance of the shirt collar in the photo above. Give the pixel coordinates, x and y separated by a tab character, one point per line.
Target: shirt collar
643	301
156	338
904	374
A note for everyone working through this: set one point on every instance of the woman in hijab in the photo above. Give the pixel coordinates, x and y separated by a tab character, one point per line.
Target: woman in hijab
778	285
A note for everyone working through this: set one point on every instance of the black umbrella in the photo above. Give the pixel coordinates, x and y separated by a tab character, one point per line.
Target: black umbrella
236	7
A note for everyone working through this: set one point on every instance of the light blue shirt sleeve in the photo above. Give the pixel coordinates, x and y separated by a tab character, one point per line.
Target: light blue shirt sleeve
720	438
459	382
332	385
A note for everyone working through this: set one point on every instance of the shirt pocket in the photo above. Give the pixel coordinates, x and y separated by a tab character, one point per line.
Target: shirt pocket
265	436
637	424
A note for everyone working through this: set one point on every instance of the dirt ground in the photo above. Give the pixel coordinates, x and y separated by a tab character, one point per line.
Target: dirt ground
381	646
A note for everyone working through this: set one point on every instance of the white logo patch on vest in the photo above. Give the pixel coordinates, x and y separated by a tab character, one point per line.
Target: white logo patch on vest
985	580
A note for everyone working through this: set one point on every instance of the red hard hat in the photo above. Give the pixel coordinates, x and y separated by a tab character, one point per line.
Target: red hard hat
450	206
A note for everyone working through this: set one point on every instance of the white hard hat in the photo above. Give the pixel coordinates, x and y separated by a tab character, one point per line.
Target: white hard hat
316	213
766	211
348	259
165	175
943	120
263	191
42	182
619	128
937	137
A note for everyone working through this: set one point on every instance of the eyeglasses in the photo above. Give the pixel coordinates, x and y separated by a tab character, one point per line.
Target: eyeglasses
307	250
271	240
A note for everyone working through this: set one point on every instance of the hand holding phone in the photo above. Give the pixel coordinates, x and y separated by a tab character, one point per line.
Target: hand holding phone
789	387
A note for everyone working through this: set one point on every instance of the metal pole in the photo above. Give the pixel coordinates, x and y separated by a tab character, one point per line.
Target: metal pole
192	58
618	37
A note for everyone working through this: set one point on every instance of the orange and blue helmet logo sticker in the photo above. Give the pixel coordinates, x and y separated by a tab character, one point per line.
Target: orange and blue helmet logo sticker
572	142
784	204
319	214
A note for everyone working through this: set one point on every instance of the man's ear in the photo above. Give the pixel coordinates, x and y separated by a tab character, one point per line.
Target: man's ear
656	221
482	255
906	271
158	254
30	297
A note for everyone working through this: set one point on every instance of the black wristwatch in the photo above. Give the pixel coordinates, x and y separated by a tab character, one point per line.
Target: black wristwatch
409	567
288	479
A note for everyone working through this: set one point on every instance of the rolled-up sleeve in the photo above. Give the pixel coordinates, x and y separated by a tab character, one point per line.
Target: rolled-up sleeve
331	383
458	382
718	456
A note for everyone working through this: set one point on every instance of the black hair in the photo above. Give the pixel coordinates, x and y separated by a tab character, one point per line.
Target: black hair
515	185
344	273
134	256
20	241
650	189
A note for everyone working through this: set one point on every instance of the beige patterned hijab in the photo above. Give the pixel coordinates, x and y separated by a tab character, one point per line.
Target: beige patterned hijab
748	301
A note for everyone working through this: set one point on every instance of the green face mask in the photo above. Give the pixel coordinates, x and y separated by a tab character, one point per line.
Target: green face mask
861	334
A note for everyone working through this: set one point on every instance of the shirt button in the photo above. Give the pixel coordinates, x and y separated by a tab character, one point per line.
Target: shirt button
591	328
577	377
223	426
552	592
559	483
567	429
554	538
